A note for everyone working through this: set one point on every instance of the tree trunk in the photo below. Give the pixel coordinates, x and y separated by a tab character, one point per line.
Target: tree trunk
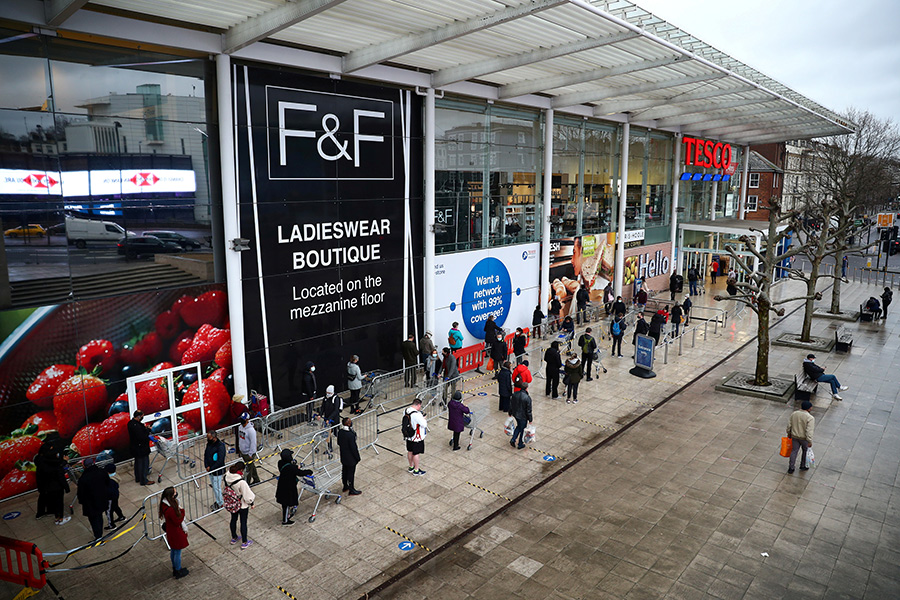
836	290
810	301
762	346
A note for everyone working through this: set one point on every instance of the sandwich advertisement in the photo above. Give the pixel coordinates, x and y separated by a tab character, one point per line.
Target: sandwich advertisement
589	260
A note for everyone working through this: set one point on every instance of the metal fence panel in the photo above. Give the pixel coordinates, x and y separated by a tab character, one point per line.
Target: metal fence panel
189	452
284	427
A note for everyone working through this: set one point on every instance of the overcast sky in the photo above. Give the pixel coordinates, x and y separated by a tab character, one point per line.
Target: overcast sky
837	53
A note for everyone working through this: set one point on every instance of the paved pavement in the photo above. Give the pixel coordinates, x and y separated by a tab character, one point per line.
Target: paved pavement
687	500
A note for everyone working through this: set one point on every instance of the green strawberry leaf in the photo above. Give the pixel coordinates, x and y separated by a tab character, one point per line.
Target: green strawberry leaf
25	465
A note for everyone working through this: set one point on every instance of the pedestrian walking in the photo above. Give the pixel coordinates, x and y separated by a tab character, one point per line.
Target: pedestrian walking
286	493
114	512
617	329
520	409
714	270
415	428
214	461
537	318
93	495
553	361
686	306
308	389
247	447
845	262
693	278
174	528
354	383
349	456
505	385
886	298
817	373
51	482
410	360
677	317
800	429
456	420
139	444
572	378
239	500
588	346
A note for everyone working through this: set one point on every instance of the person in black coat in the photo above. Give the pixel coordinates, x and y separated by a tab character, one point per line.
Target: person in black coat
641	327
349	456
214	462
886	298
139	443
554	364
505	386
499	351
286	493
93	495
332	405
657	321
51	483
519	345
308	388
490	328
537	317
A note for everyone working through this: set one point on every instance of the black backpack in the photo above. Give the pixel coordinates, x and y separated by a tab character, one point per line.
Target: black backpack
406	427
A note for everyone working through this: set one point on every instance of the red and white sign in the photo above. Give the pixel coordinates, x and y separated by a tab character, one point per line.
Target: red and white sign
22	181
71	184
707	153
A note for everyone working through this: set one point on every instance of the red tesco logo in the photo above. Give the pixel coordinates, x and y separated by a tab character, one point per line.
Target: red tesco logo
706	153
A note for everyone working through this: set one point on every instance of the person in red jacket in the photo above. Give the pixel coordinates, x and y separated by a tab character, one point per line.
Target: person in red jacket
172	517
519	374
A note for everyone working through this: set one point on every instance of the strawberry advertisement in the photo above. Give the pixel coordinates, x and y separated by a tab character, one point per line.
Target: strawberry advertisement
331	203
64	372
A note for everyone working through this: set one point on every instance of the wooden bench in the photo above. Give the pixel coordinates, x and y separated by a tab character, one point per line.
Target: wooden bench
806	387
865	315
843	339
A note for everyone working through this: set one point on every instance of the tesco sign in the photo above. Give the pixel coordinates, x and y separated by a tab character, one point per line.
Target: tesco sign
706	153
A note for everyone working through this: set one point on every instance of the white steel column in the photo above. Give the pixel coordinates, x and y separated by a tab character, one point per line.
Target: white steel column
546	207
745	173
712	202
227	136
623	195
428	271
676	189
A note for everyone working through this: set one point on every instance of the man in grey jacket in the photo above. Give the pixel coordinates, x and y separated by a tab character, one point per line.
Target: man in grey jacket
450	371
800	430
247	447
354	383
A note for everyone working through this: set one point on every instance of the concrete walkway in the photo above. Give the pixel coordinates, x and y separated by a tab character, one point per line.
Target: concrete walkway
682	503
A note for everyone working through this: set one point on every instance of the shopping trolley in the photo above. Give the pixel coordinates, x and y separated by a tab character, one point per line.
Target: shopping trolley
166	449
75	468
475	418
373	385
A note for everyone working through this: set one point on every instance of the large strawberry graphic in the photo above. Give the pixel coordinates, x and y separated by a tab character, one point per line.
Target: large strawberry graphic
41	391
88	441
179	304
223	355
97	352
210	307
167	324
114	431
21	444
22	478
153	396
157	367
180	346
215	399
148	348
76	398
45	421
206	343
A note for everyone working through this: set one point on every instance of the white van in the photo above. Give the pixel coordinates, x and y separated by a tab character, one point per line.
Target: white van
81	232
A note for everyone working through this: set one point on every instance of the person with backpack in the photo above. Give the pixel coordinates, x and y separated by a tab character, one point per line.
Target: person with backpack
331	408
349	456
455	337
677	313
554	363
354	383
174	528
521	375
693	278
588	346
504	385
286	493
414	428
238	499
572	377
456	420
686	306
886	298
521	410
617	329
214	461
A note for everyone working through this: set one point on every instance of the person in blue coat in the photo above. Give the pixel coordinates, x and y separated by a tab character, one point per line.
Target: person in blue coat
456	421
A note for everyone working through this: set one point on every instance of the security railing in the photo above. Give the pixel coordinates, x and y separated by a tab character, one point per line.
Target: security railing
189	452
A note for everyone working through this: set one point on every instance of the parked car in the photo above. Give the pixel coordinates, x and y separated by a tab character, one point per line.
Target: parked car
81	232
147	245
58	229
21	231
185	242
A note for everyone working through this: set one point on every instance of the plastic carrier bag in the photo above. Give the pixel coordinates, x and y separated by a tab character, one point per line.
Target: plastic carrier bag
529	434
509	426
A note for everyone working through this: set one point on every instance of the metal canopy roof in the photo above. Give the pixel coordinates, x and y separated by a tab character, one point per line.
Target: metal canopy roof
606	58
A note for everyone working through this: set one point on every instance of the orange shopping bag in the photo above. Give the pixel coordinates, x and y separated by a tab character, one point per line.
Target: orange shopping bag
786	444
490	365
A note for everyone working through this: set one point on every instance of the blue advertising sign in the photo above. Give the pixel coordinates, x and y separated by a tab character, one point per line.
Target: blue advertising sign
643	352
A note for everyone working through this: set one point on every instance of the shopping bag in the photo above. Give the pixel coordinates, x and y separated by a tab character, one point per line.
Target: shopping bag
786	444
810	458
509	426
490	364
529	434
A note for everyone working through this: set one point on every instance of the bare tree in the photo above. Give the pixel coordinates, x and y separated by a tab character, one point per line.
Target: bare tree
855	171
755	292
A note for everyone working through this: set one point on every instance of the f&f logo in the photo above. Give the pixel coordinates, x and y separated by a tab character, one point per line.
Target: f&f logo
319	135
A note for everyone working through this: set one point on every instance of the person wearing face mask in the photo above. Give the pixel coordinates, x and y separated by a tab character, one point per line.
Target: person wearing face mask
354	383
426	347
349	456
332	405
432	368
172	517
308	389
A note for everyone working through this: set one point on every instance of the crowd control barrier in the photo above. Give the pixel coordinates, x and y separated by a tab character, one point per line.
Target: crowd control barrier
284	427
22	563
366	428
195	496
189	452
469	358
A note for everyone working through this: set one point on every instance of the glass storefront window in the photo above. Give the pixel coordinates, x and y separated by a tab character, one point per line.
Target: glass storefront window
600	178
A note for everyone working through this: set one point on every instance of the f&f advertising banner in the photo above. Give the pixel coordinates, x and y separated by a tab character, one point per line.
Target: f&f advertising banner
503	282
330	185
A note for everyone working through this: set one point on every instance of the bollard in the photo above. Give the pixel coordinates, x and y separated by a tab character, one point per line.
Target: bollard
666	353
694	337
716	326
705	330
679	344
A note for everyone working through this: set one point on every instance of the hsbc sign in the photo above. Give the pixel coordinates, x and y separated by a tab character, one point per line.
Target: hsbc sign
71	184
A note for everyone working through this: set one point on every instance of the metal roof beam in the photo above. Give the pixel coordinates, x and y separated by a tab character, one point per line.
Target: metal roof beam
271	22
755	124
616	106
521	88
376	53
677	110
502	63
57	11
727	119
779	134
640	88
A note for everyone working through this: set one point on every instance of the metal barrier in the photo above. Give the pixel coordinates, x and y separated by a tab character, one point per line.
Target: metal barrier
366	427
719	316
22	563
189	452
284	427
195	496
